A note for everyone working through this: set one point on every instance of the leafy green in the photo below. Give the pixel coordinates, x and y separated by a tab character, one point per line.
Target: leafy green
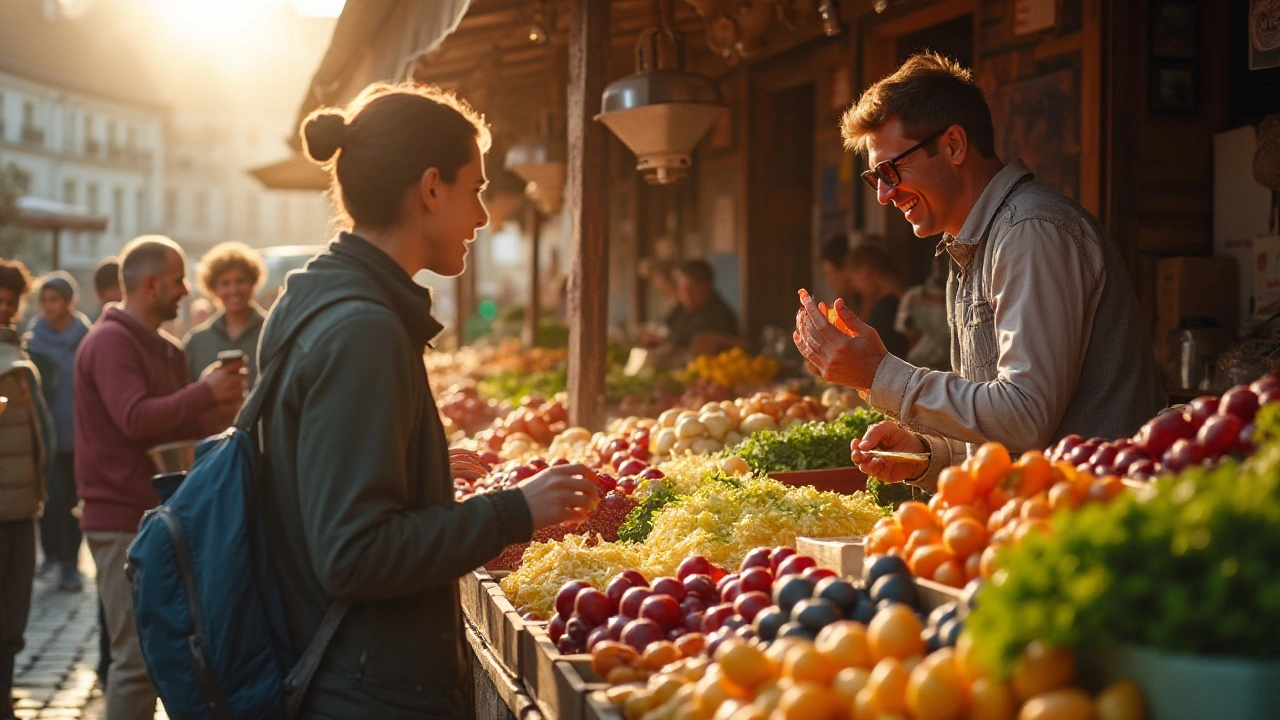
639	521
1192	568
891	495
807	446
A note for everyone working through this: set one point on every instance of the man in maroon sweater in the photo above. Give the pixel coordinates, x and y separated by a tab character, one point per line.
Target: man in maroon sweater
131	395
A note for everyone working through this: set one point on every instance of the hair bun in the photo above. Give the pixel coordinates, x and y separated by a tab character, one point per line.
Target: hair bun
324	134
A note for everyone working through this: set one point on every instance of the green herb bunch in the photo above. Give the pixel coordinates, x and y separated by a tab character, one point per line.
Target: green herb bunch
1193	567
639	521
808	446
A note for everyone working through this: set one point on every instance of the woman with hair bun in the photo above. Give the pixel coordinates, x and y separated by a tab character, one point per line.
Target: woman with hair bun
357	474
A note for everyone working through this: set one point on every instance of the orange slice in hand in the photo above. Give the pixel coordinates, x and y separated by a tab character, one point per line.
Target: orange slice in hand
831	314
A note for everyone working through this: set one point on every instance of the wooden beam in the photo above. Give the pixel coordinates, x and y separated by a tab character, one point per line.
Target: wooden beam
929	16
533	305
587	201
1092	104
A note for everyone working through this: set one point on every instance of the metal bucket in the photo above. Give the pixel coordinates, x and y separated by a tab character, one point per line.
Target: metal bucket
174	457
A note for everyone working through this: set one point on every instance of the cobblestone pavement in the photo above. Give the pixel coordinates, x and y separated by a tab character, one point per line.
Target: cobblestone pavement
56	673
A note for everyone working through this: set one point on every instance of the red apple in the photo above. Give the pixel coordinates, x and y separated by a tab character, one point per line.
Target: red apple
724	581
778	555
1239	401
662	609
640	453
1182	455
757	558
717	573
635	578
730	590
714	618
693	621
640	633
1203	408
1142	470
1244	445
1160	433
627	485
756	579
1104	457
618	585
631	468
1264	384
632	599
593	606
537	463
693	604
750	604
700	586
567	646
814	574
652	473
640	437
693	565
578	629
616	624
1220	434
567	595
1272	395
617	459
597	636
670	587
1126	458
795	565
556	627
1081	453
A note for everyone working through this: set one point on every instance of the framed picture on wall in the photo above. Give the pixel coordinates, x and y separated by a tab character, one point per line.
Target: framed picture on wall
1175	88
1175	30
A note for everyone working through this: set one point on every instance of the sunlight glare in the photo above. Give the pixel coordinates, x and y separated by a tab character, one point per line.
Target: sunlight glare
318	8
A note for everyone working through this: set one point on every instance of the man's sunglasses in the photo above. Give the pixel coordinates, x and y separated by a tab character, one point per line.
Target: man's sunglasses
887	170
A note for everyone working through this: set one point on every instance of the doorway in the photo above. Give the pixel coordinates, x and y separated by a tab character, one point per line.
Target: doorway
780	201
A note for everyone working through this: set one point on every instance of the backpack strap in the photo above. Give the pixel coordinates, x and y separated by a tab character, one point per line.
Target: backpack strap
298	680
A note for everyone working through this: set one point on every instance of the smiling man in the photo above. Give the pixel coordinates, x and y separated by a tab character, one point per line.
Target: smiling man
1047	337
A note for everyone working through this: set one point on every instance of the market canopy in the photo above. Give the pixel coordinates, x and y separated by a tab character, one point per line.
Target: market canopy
295	172
36	213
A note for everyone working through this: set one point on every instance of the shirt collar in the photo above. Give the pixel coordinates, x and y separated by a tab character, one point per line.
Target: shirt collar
975	226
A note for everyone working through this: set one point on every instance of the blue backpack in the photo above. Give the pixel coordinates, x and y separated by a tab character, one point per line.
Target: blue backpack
209	614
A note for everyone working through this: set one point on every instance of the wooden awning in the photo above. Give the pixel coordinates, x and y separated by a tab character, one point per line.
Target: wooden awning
295	172
36	213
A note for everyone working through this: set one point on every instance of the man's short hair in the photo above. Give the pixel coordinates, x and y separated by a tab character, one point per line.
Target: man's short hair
14	276
145	256
107	275
698	271
871	256
929	93
835	250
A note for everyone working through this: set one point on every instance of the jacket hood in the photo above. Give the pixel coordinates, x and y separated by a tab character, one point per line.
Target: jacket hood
43	339
350	269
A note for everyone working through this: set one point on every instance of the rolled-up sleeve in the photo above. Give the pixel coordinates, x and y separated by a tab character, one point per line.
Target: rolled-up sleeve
1045	285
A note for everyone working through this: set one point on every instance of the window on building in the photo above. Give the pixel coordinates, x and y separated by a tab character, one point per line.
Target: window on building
31	132
170	210
141	222
22	179
69	192
90	142
113	143
202	210
118	210
91	197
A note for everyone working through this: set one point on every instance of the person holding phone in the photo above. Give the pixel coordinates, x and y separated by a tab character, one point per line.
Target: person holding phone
356	472
230	274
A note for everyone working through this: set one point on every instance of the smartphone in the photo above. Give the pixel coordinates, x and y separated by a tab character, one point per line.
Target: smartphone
227	357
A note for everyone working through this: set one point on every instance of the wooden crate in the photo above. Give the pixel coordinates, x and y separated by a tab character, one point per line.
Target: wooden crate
846	480
473	591
599	707
553	680
844	556
506	684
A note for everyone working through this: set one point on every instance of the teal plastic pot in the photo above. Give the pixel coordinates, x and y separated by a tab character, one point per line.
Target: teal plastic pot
1190	687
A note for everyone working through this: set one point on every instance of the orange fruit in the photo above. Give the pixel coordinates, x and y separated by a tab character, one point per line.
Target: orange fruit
888	682
1105	489
926	561
1004	535
885	522
958	511
883	540
1063	495
691	645
988	565
624	674
966	658
950	573
895	633
923	537
849	682
1028	527
805	664
866	706
1121	701
938	505
957	486
990	700
745	665
1035	509
610	654
935	691
964	537
973	567
845	644
914	515
807	701
1060	704
659	655
990	465
1037	473
1041	669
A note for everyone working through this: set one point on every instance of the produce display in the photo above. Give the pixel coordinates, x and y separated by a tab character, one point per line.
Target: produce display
1211	429
711	515
805	446
732	369
727	423
532	425
464	411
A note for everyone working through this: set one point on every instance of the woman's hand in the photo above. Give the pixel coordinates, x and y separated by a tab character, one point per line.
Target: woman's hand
560	494
887	435
466	465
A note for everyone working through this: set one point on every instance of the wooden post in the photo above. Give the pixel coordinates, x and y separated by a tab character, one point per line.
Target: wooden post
533	306
586	197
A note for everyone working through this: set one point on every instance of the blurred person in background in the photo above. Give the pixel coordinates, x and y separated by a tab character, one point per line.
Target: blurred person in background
836	275
106	283
230	274
874	278
922	317
132	394
26	433
703	322
52	340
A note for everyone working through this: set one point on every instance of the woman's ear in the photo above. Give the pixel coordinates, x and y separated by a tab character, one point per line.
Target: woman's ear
429	189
